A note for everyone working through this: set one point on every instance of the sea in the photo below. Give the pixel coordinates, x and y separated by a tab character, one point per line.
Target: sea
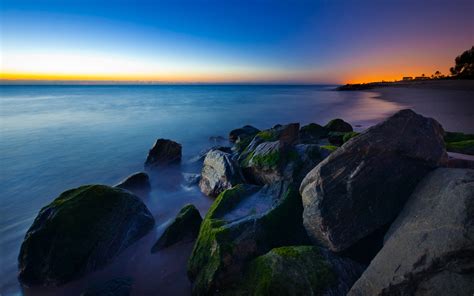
53	138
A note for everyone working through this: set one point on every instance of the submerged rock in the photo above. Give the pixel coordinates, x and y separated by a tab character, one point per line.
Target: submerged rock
364	184
338	125
219	173
164	152
185	227
245	132
115	287
138	183
81	231
429	249
298	270
243	222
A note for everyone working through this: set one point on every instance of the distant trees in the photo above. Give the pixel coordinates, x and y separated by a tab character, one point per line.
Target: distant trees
464	65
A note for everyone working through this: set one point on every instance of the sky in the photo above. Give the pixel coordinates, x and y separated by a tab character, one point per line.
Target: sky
318	41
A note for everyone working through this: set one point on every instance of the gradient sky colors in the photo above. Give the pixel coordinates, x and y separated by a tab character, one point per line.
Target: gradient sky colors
325	41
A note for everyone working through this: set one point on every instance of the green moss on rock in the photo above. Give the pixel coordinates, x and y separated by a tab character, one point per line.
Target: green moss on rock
348	136
457	137
330	148
465	147
292	270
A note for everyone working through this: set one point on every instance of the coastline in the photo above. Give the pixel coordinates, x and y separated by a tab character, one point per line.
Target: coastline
450	102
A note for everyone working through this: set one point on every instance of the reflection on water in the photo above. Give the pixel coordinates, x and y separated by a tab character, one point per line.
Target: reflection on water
58	137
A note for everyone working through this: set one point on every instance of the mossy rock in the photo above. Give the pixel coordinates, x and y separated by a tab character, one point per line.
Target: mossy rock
243	223
185	227
81	231
245	132
291	270
464	147
348	136
330	148
457	137
312	133
336	138
338	125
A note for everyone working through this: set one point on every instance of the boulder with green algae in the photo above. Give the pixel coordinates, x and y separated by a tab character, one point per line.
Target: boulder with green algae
243	223
459	142
312	133
243	133
185	227
298	270
338	125
81	231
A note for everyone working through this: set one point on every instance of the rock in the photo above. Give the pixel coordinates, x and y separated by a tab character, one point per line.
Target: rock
219	173
191	179
286	134
200	157
338	125
243	223
115	287
312	133
81	231
349	135
247	131
164	152
364	184
138	183
299	270
429	249
336	138
185	227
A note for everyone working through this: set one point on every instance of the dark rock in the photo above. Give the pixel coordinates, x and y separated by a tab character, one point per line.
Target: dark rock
219	173
81	231
364	184
164	152
312	133
247	131
299	270
336	138
115	287
242	224
286	134
185	227
338	125
138	183
429	249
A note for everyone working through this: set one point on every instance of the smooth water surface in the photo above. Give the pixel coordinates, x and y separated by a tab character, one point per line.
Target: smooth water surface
58	137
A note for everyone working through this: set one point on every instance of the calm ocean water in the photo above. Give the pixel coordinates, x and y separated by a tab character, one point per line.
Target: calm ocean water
58	137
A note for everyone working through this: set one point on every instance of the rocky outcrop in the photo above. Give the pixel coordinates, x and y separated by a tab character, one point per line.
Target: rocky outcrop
81	231
219	173
164	152
244	132
115	287
364	184
298	270
138	183
184	227
243	223
338	125
429	249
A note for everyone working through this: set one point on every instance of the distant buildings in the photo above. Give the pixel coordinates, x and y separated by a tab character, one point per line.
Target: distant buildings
407	78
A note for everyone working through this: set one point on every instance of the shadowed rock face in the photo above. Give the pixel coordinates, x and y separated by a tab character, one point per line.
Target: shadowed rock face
429	249
364	184
247	131
338	125
244	222
185	227
299	270
164	152
138	183
219	173
81	231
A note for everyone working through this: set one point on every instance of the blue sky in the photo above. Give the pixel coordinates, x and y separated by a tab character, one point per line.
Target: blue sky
234	41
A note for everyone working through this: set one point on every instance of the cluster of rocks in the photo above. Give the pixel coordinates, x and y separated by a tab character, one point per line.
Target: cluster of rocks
294	206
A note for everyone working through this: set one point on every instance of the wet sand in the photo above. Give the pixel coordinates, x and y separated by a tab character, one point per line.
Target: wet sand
449	102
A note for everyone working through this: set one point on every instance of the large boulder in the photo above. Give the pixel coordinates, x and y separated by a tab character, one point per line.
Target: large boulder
429	249
243	223
219	173
81	231
298	270
244	132
184	227
338	125
164	152
138	183
364	184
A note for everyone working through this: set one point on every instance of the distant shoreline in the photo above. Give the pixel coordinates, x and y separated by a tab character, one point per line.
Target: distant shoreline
446	84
